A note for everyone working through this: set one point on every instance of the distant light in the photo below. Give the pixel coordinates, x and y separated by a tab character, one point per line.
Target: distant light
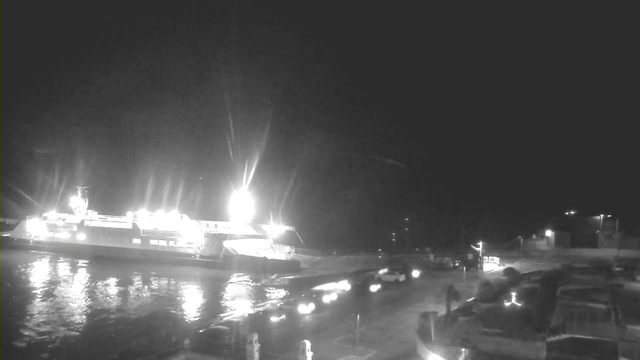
406	219
241	207
394	234
379	249
601	214
277	318
415	274
566	213
407	229
81	236
6	234
548	233
64	235
375	287
608	216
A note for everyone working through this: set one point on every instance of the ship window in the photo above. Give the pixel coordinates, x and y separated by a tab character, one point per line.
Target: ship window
153	242
136	241
162	242
172	243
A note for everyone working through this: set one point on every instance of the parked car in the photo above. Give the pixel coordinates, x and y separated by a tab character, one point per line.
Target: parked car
390	276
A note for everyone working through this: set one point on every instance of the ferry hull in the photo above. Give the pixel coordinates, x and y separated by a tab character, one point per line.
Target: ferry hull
238	263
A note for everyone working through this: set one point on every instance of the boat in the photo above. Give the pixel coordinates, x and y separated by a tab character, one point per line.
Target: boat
157	236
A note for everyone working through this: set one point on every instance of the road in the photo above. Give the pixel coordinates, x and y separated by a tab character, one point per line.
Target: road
387	320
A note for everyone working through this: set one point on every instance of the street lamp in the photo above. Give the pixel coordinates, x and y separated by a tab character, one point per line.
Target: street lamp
602	216
241	207
548	233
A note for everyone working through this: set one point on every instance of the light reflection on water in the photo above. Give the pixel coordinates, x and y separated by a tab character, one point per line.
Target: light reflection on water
103	304
237	297
192	300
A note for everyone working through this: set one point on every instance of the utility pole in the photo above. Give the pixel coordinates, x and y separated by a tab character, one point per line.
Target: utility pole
521	246
480	259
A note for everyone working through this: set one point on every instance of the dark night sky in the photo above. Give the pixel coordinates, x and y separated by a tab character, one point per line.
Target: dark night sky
355	115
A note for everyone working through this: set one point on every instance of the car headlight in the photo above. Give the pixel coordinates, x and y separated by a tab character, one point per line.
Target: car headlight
327	298
434	356
344	285
415	274
374	287
305	309
277	318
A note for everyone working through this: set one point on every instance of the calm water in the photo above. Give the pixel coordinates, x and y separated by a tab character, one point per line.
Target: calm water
57	307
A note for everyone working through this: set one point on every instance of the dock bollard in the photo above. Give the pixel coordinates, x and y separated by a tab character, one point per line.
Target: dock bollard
253	347
304	352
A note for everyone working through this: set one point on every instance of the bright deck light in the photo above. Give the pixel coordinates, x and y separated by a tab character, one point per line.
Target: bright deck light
275	231
241	207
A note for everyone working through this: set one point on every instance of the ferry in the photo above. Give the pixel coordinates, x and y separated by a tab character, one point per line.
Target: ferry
163	236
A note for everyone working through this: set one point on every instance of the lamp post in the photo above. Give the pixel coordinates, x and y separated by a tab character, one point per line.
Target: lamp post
479	250
521	246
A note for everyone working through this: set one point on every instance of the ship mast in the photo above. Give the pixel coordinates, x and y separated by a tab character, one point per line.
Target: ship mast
80	202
